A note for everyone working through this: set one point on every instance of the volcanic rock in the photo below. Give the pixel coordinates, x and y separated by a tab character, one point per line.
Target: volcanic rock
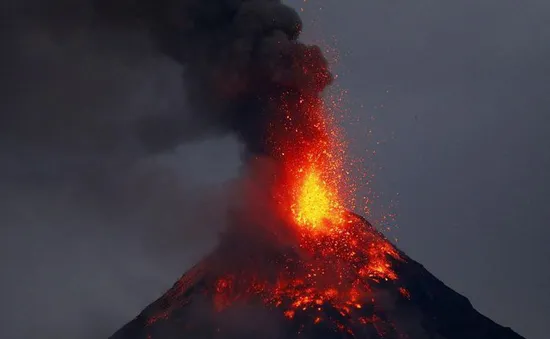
211	301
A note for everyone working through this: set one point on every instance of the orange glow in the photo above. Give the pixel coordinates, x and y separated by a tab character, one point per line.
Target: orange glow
315	203
337	257
313	191
405	293
342	255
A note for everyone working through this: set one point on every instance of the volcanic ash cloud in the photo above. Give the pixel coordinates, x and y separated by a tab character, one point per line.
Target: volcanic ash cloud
244	68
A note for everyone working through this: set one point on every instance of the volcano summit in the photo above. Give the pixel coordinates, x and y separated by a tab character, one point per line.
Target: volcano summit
271	292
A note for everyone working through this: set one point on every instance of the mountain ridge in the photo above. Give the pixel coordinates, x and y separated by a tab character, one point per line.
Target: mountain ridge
416	305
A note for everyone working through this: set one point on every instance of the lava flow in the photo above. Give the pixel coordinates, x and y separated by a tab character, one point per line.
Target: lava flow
340	257
272	99
336	258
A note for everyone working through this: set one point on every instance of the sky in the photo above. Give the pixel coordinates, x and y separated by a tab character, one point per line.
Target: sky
456	97
451	96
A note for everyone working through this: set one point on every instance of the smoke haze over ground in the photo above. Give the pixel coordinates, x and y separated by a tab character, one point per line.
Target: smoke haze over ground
94	226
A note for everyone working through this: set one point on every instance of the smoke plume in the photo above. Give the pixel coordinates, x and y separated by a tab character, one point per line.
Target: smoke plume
94	226
86	85
245	70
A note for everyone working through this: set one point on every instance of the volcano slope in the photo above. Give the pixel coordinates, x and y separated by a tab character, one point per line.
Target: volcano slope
269	291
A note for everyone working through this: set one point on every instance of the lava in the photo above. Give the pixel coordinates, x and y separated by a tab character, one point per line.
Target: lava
337	259
315	204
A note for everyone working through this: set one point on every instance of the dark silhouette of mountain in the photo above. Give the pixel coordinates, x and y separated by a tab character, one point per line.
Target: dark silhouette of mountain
415	305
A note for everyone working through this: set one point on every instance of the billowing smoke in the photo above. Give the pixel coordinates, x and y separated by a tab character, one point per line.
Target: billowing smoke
243	67
86	85
93	226
245	70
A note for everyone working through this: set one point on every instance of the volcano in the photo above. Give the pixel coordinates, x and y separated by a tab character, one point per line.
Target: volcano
294	263
262	291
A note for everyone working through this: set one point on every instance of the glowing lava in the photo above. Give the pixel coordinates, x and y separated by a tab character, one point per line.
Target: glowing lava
313	190
338	256
315	203
328	273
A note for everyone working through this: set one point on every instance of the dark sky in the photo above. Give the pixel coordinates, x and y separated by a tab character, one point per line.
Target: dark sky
93	228
459	93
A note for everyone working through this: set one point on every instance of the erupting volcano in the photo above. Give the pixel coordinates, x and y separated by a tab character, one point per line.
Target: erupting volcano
345	281
309	268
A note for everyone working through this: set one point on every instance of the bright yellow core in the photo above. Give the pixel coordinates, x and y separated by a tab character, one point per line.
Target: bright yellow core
314	203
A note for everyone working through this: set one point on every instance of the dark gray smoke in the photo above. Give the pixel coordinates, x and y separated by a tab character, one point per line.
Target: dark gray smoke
93	226
245	70
71	81
89	215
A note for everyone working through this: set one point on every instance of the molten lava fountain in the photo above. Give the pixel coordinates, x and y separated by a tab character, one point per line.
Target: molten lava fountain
327	273
324	276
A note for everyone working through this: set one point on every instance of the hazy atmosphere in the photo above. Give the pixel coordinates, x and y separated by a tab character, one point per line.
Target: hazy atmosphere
452	97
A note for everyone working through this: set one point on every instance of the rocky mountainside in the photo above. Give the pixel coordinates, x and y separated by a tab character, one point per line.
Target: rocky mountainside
208	302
